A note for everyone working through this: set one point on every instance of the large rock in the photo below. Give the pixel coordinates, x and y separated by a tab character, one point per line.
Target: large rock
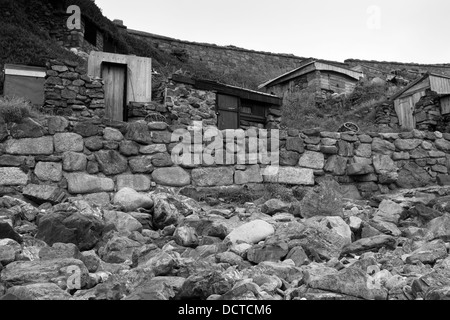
251	175
442	204
172	177
138	132
37	146
73	161
59	271
413	176
370	244
323	200
57	124
48	171
118	250
336	165
430	282
141	164
388	211
359	169
312	160
70	227
382	146
86	129
12	177
7	232
186	236
349	281
162	160
166	211
336	224
317	240
84	183
153	148
211	177
93	143
289	158
207	283
12	161
111	134
385	227
39	292
130	200
27	128
9	251
386	168
407	144
295	144
426	214
158	261
157	288
60	251
122	221
383	164
364	150
138	182
443	145
128	148
438	228
68	142
321	242
268	251
290	175
111	162
428	253
273	206
251	232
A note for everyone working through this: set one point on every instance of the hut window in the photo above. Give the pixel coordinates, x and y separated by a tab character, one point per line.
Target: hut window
247	110
90	33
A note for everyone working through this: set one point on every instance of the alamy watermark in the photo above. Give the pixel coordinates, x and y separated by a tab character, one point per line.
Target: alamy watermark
74	21
74	279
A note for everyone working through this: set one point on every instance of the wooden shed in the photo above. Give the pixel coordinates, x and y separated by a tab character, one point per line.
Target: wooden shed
25	81
127	79
237	107
319	73
406	99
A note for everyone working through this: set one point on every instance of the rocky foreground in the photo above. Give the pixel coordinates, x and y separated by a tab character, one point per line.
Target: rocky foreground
163	245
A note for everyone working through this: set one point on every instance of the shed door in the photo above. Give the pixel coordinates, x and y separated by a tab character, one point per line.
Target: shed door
404	108
228	108
445	105
115	77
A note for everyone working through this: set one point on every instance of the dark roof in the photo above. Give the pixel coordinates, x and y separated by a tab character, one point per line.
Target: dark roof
243	93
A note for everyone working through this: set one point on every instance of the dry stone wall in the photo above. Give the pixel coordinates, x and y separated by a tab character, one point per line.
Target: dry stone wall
68	91
101	157
387	66
261	66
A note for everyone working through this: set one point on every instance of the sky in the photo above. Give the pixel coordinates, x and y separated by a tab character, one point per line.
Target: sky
384	30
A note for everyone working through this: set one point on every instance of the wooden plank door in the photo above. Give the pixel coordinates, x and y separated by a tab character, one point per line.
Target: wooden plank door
445	105
115	78
405	108
228	109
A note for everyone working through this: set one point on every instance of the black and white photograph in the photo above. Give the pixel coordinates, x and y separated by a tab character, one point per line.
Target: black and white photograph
236	158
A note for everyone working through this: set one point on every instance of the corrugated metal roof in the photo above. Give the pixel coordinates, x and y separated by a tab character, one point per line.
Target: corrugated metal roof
415	82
